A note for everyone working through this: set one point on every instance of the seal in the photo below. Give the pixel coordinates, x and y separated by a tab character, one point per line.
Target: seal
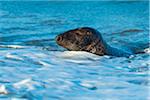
90	40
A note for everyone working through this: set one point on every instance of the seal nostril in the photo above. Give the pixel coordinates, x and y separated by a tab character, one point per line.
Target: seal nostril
59	38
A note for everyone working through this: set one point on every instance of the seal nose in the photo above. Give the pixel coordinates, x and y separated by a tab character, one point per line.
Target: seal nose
59	38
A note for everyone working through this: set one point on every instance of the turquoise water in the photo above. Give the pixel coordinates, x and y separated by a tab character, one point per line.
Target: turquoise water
34	67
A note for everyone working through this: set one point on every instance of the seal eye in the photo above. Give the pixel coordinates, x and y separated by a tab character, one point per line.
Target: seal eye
80	33
77	33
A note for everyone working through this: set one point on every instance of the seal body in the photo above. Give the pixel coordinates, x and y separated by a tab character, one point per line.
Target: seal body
90	40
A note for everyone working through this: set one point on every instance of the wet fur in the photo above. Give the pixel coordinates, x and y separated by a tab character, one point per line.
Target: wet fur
83	39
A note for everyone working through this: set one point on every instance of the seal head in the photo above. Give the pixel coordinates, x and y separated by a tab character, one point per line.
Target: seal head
82	39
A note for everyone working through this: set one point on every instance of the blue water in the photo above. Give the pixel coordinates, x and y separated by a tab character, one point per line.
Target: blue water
34	67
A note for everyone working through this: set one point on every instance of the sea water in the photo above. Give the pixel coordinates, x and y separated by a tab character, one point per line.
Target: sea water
34	67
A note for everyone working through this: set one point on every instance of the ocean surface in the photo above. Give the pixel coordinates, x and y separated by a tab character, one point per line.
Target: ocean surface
34	67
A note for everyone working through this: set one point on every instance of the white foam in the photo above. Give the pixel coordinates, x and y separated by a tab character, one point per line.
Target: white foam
8	55
78	55
18	99
12	46
27	83
3	89
147	50
44	63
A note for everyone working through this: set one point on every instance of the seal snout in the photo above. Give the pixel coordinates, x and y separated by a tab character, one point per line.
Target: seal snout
59	38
